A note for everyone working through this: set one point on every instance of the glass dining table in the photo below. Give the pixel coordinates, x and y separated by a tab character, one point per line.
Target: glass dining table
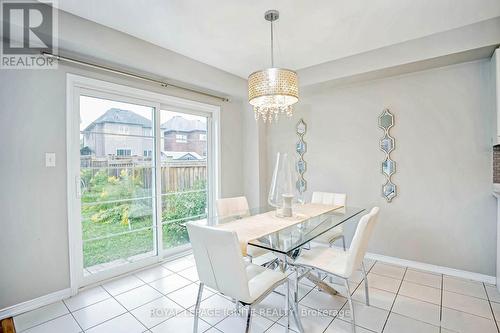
287	238
290	240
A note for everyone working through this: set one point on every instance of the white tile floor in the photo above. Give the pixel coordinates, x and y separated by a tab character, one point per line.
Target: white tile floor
159	299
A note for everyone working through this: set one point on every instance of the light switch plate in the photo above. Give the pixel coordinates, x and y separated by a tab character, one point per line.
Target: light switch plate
50	160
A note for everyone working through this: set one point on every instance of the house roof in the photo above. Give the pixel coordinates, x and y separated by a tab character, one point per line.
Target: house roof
177	123
182	155
120	116
181	124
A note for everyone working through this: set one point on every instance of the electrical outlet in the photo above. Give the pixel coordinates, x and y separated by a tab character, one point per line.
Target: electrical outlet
50	160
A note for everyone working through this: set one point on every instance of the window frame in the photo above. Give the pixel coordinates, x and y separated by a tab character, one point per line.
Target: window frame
77	85
181	138
124	150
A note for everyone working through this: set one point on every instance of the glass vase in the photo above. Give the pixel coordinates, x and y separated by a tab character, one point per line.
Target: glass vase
281	192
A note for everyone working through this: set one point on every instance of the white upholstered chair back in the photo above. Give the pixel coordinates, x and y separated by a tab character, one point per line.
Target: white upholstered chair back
360	241
327	198
232	208
219	262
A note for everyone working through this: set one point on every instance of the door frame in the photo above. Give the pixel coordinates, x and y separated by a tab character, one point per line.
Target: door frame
75	84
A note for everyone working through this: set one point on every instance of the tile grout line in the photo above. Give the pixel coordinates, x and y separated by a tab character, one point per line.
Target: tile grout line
441	303
144	284
466	295
182	307
109	319
343	305
417	320
442	290
397	293
123	292
39	324
491	307
165	294
86	306
171	273
425	285
347	301
126	310
130	312
393	302
72	316
413	298
468	313
112	297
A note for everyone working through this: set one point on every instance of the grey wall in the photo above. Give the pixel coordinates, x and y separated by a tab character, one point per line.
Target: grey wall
445	213
33	210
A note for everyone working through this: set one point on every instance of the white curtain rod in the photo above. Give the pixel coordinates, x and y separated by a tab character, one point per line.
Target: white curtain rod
135	76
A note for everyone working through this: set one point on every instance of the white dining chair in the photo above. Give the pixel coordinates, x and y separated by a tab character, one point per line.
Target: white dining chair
221	267
342	264
230	209
327	198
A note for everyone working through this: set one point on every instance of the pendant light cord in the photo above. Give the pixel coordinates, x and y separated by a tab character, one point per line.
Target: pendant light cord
272	45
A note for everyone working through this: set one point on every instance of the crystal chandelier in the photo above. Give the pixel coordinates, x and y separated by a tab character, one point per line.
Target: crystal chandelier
273	91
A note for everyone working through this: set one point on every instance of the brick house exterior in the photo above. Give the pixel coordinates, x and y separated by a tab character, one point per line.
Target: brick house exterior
121	122
182	134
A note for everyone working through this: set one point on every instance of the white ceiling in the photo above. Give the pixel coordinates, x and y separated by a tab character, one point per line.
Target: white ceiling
232	34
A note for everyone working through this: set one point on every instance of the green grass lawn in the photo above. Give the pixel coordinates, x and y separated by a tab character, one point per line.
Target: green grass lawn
116	208
123	246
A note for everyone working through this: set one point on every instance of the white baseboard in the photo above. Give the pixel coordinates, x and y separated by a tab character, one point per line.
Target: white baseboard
16	309
433	268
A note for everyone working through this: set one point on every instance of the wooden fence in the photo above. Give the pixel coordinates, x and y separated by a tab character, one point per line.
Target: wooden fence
175	175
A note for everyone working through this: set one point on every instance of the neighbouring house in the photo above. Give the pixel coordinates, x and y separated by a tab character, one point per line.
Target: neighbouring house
187	135
184	139
123	128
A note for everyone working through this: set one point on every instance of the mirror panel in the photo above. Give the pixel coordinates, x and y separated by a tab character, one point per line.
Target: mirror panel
388	167
386	120
389	191
301	127
300	149
387	145
301	166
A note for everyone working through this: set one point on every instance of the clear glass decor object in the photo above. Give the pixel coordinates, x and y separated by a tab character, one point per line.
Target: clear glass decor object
281	193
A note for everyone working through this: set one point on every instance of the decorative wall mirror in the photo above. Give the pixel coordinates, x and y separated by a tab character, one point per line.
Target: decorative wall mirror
300	149
387	145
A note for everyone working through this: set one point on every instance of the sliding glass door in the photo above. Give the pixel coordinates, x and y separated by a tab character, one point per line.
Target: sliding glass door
117	167
146	166
183	174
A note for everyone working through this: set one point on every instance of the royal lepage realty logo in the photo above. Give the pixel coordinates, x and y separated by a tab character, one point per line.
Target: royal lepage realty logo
29	28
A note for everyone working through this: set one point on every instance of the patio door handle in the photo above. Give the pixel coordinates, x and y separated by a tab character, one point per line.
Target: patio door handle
78	187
